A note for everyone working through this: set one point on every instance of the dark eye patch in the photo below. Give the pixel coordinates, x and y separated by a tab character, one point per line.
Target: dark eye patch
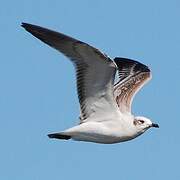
141	121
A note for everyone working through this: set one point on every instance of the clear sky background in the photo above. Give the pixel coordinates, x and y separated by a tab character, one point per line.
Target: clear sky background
38	96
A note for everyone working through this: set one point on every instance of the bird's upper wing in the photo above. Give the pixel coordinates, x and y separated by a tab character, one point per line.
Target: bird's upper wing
132	76
95	72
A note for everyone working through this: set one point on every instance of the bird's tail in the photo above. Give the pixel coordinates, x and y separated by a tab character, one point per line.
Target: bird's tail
59	136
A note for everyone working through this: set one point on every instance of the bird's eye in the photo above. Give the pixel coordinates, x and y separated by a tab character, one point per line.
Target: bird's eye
141	121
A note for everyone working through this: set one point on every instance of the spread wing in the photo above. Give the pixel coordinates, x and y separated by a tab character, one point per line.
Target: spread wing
132	76
95	72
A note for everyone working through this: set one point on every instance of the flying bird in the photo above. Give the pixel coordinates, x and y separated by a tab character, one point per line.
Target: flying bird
105	106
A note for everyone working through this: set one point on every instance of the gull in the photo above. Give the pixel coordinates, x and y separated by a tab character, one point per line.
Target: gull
105	106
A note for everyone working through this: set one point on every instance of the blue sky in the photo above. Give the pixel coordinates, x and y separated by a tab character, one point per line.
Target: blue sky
37	89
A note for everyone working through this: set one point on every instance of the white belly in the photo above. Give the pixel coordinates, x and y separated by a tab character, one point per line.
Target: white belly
106	133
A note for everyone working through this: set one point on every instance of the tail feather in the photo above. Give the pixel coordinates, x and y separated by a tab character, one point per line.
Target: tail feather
59	136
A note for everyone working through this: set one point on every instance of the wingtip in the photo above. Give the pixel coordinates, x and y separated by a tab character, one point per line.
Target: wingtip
126	62
29	26
33	29
24	25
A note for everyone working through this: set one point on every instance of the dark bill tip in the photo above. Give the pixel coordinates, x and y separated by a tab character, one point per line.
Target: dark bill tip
155	125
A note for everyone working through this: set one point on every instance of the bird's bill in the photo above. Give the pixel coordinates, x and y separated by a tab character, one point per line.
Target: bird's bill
155	125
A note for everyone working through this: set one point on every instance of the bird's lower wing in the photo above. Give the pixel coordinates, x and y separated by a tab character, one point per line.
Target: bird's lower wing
94	71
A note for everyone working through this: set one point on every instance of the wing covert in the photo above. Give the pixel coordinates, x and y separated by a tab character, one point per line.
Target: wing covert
132	77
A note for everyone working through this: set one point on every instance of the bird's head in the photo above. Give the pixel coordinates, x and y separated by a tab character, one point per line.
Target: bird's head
143	123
